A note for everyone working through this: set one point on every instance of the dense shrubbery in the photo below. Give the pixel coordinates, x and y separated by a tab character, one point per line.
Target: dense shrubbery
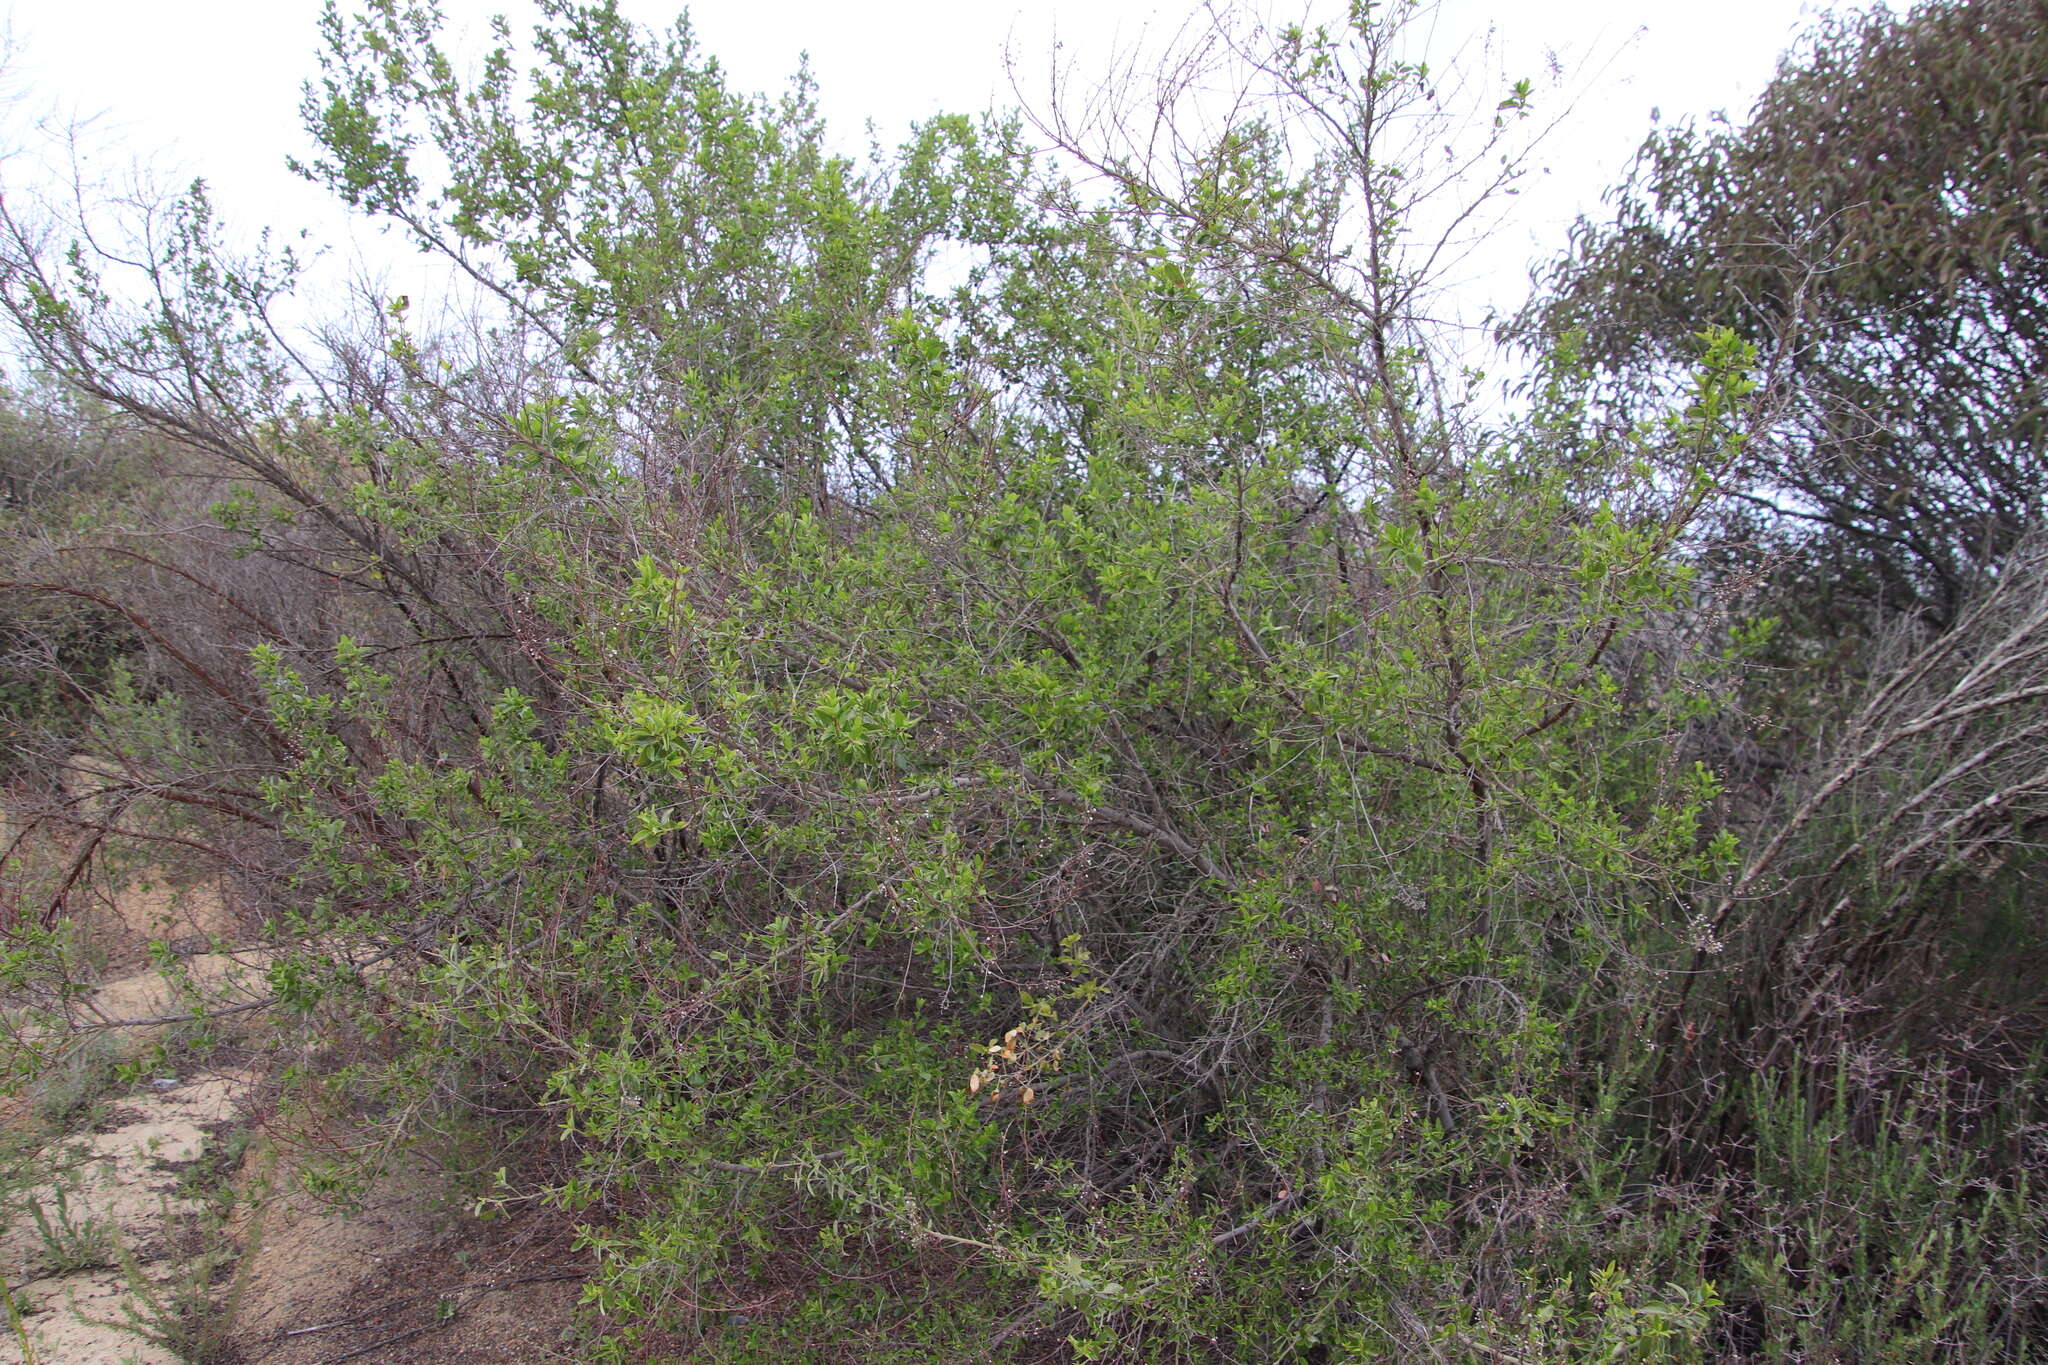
1876	230
1092	814
60	461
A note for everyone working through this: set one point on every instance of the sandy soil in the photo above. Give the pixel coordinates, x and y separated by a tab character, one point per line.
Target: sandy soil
135	1009
405	1280
124	1180
403	1284
409	1278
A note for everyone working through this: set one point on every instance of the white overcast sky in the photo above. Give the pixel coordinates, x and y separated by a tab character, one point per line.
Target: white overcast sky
211	87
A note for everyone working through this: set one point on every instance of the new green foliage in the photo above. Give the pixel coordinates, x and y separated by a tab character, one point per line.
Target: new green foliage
945	763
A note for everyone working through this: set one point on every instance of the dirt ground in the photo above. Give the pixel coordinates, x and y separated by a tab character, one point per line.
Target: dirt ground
393	1283
172	1226
119	1189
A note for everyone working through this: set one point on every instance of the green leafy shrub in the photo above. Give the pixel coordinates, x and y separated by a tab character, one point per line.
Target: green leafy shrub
1093	812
